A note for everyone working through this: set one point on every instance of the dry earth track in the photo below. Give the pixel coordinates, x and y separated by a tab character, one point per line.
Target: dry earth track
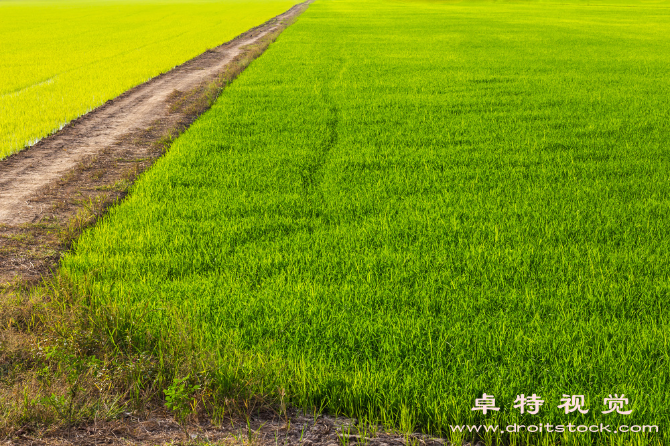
50	191
23	175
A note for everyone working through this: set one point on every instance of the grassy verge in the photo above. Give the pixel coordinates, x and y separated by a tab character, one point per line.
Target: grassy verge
65	363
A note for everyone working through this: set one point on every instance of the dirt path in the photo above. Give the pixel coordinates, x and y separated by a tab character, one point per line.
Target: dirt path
23	175
52	190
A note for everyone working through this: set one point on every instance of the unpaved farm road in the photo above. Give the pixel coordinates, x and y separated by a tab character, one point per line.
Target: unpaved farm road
51	191
25	174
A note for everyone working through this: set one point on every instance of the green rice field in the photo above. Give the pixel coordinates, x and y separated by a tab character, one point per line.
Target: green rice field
60	59
403	205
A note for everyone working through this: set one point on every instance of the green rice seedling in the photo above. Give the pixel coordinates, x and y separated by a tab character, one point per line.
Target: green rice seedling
404	206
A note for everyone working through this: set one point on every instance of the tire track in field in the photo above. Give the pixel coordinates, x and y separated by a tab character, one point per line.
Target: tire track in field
312	171
313	167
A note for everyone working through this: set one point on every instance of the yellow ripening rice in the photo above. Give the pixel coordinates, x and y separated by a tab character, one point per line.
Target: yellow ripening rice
59	60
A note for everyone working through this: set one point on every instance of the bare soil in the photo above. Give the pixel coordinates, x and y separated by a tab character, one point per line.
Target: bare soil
267	429
52	190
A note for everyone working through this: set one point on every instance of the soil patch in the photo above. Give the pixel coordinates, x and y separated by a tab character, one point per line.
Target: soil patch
266	429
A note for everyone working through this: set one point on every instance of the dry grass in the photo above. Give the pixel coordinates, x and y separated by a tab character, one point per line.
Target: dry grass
64	364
